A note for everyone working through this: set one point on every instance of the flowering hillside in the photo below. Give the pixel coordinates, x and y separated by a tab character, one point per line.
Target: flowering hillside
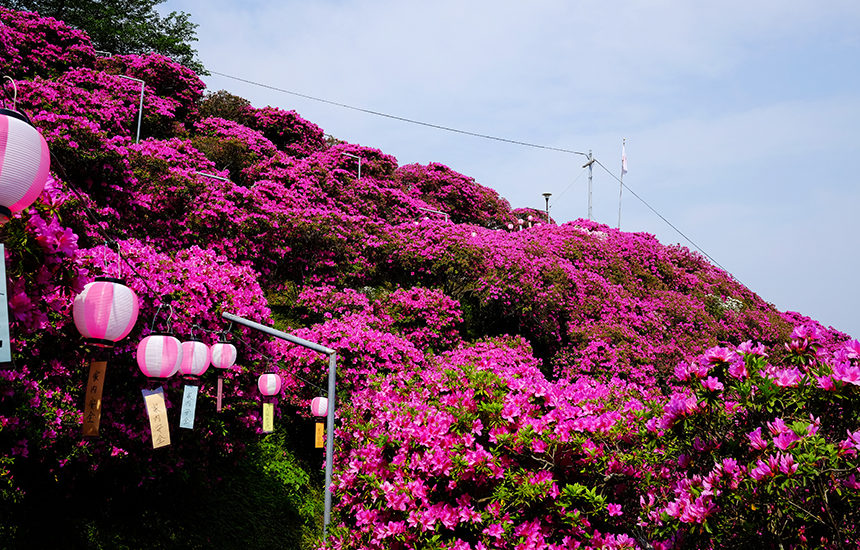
552	386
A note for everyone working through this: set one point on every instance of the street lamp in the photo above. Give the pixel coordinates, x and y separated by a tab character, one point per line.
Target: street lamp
139	109
359	162
547	196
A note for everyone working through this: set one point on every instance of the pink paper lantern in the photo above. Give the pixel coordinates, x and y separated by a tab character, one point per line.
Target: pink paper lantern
223	355
319	406
159	356
269	384
24	163
196	357
105	311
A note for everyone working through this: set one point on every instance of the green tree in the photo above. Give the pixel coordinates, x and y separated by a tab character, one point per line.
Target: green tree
124	26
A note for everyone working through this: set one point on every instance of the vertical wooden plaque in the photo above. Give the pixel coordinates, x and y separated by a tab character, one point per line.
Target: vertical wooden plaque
93	400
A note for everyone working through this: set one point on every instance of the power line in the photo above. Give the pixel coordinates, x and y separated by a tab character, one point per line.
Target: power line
670	224
400	118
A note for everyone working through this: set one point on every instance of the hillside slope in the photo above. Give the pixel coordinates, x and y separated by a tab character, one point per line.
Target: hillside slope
541	388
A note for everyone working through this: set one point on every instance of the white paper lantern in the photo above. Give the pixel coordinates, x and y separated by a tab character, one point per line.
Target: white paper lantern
196	357
319	406
159	356
105	311
223	355
269	384
24	163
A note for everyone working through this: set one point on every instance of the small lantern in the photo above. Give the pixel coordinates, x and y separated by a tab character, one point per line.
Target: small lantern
223	357
159	355
105	311
24	163
319	406
196	357
269	384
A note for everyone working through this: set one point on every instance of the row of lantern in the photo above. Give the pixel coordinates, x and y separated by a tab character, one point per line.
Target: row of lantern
106	311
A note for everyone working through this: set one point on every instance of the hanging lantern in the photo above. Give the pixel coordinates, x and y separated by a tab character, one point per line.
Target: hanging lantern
223	357
319	406
269	384
105	311
159	356
196	357
24	163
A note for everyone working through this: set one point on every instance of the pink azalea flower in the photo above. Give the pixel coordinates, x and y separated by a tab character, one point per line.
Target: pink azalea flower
712	383
756	440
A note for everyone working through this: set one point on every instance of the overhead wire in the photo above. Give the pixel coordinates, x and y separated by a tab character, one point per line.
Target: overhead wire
399	118
662	217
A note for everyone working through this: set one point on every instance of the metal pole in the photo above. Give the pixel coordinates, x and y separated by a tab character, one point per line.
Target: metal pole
621	179
590	165
332	374
329	442
139	109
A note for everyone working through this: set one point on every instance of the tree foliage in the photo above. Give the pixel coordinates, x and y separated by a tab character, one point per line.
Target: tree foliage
124	26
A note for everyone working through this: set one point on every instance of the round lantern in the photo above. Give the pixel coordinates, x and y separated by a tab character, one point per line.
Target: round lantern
159	356
196	357
319	406
105	311
223	355
24	163
269	384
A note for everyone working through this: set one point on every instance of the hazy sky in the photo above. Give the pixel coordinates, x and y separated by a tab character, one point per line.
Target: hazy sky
741	116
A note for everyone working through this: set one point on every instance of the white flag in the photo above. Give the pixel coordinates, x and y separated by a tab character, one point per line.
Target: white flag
623	159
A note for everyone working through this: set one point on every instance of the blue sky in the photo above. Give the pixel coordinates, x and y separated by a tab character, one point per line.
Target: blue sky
740	116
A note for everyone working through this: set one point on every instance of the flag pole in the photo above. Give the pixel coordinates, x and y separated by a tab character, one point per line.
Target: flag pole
621	180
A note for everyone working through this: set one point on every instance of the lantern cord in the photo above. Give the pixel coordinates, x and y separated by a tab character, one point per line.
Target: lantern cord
155	317
272	359
14	97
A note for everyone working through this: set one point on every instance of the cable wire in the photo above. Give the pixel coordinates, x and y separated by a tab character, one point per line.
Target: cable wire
670	224
576	179
400	118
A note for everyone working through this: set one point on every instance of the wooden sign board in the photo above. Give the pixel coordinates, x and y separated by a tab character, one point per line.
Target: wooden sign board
93	400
